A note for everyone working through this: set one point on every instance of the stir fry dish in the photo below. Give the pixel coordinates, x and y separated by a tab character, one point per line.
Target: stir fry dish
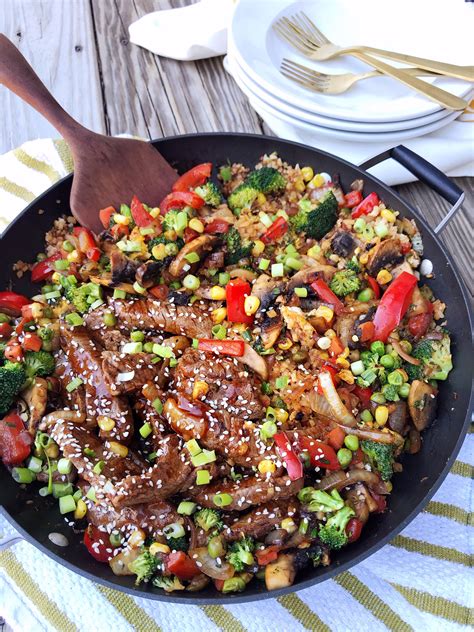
221	389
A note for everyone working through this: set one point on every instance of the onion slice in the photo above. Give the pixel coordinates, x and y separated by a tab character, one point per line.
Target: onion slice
210	566
335	402
403	354
390	438
339	480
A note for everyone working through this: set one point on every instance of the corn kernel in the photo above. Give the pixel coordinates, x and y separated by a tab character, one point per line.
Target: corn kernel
261	199
118	448
324	355
346	376
170	235
330	333
196	224
388	486
218	315
285	344
251	304
105	423
381	415
258	248
342	362
289	525
157	547
388	215
364	258
281	415
299	185
217	293
73	256
56	277
324	343
325	312
155	212
200	388
266	467
123	220
136	539
307	173
318	181
384	277
345	353
159	252
81	510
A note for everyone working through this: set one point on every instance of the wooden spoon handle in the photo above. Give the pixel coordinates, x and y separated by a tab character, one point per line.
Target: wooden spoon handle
17	75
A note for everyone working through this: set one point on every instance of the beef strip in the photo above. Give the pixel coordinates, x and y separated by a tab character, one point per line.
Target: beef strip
76	399
261	520
247	492
111	338
85	360
193	321
127	373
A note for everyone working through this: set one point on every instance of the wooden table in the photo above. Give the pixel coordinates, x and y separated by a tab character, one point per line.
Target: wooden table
80	49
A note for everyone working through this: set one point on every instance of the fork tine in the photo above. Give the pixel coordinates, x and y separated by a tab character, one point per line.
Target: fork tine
303	82
314	29
290	40
291	36
304	69
300	75
305	73
303	36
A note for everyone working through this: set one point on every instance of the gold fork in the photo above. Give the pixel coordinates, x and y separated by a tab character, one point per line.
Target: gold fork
303	35
333	84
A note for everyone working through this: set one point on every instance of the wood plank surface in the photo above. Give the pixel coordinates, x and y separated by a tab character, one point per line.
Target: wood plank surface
56	38
81	50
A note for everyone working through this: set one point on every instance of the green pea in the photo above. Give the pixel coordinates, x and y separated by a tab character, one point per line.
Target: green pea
387	361
366	416
235	584
137	336
406	346
148	347
404	390
351	442
377	347
366	295
344	456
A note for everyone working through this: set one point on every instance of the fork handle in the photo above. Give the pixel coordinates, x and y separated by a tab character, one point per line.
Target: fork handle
450	70
434	93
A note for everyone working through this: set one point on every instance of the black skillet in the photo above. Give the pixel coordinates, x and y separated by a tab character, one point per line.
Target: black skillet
35	518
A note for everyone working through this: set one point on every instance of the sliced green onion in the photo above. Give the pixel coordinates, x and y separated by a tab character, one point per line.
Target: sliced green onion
222	500
147	231
163	351
277	270
152	456
74	319
116	539
302	292
64	466
314	251
98	467
357	367
35	464
381	228
203	477
61	264
49	296
23	475
77	495
89	452
67	246
264	264
174	530
265	219
191	282
173	362
193	447
119	294
203	458
146	430
181	221
137	336
44	491
97	303
270	413
73	384
281	382
157	405
192	257
293	263
186	507
62	489
224	278
132	347
127	245
378	398
219	332
291	250
139	289
66	504
109	319
369	376
359	224
91	494
268	429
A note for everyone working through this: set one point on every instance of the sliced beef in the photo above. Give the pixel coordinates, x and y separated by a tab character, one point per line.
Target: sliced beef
127	373
76	399
84	357
111	338
247	492
193	321
261	520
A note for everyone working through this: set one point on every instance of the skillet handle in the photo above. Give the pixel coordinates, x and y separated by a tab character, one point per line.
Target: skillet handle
425	172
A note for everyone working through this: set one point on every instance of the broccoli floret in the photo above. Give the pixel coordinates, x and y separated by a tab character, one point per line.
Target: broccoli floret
12	378
318	500
236	248
353	265
207	519
344	282
209	193
380	456
264	180
144	566
390	392
240	555
175	220
46	334
414	372
168	583
435	356
81	296
316	221
333	532
178	544
225	173
39	363
3	346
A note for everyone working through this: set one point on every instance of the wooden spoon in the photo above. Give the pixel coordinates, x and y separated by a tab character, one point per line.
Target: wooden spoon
107	171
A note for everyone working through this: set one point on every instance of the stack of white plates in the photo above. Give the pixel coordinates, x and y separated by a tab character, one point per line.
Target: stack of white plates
375	110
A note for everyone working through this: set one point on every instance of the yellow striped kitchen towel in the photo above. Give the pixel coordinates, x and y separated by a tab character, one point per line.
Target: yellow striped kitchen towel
421	581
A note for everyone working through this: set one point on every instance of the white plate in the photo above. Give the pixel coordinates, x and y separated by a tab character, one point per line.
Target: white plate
415	27
324	121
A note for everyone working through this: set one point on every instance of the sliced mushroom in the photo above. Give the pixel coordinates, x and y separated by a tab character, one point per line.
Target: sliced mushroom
397	417
106	280
386	253
343	244
122	268
266	288
356	498
149	273
255	361
422	404
36	397
310	274
202	244
271	329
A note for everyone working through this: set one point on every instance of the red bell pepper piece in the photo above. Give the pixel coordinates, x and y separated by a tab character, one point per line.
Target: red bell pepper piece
15	440
189	234
181	565
354	529
327	295
159	291
393	305
234	348
98	544
11	302
13	352
336	437
374	286
336	347
275	231
193	178
94	254
31	342
265	556
353	198
235	292
105	214
321	454
293	465
217	226
5	330
118	231
179	199
367	330
418	325
85	238
366	205
44	269
140	215
363	394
